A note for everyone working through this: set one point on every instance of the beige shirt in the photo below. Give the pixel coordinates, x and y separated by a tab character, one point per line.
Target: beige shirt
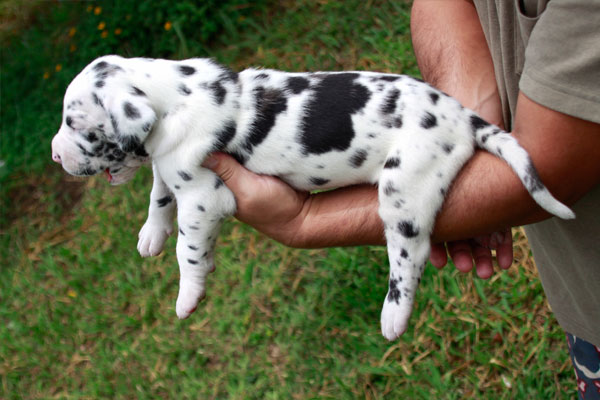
550	50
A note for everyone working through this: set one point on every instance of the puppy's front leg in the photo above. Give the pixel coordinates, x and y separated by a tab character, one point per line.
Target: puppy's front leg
159	225
203	202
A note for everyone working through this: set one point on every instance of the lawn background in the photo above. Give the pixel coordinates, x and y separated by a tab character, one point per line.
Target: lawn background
83	316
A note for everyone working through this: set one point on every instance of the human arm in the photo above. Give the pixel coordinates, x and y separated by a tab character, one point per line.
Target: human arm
486	195
476	204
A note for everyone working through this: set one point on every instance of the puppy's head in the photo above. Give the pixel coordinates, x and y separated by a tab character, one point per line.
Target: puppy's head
104	125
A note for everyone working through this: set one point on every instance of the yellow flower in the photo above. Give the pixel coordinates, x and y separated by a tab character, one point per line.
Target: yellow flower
71	293
72	48
46	75
89	8
104	34
101	26
118	31
168	26
97	10
72	32
58	67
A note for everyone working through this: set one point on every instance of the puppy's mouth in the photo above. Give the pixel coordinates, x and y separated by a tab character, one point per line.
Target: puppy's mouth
120	175
109	177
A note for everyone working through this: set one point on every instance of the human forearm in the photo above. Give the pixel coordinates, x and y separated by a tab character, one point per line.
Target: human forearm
486	196
456	59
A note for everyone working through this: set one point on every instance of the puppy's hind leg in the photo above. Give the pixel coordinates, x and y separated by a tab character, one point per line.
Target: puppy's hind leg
411	191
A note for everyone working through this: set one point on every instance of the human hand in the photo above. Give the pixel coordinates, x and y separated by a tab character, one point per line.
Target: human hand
464	252
264	202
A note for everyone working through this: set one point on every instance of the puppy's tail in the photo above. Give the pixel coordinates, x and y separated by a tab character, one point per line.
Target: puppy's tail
504	145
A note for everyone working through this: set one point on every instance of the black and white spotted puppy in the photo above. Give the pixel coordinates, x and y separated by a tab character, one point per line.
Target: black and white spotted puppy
313	130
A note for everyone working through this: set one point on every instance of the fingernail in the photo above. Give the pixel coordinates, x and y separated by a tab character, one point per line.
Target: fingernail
210	162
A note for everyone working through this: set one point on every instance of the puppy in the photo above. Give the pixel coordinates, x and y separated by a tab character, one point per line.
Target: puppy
313	130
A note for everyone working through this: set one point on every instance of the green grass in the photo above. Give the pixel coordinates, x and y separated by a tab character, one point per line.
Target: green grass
82	315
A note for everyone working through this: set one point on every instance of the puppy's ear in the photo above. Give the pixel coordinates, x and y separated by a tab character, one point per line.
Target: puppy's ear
132	119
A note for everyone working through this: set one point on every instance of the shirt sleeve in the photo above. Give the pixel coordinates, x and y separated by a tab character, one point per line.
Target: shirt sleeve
562	59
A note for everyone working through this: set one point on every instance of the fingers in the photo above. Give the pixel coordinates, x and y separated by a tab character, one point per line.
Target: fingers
504	251
438	256
478	252
460	252
482	256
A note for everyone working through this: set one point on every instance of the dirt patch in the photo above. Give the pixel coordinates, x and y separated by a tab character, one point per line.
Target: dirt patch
52	195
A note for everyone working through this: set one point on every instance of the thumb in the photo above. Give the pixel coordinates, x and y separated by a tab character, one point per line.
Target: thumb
226	167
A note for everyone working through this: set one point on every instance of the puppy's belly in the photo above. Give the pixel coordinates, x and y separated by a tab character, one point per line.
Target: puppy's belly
311	175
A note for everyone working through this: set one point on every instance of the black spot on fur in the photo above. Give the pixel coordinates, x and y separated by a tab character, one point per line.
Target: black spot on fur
86	171
97	100
225	135
201	208
193	262
104	70
391	99
186	70
137	92
162	202
434	97
228	74
185	176
269	104
131	111
100	84
260	76
69	122
358	158
428	121
181	231
388	78
129	143
218	182
318	181
177	187
478	123
407	229
532	178
297	84
219	92
90	137
447	147
192	247
389	188
392	162
393	293
403	253
398	122
327	124
184	90
84	151
100	66
240	158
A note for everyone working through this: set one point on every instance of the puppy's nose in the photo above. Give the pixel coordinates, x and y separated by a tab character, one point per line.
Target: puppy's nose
56	158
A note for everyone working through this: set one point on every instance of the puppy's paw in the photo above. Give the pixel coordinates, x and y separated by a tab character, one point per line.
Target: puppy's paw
188	299
152	238
394	319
